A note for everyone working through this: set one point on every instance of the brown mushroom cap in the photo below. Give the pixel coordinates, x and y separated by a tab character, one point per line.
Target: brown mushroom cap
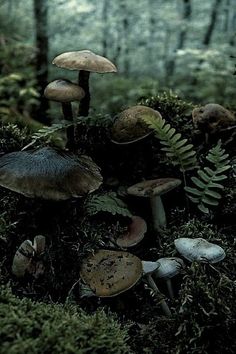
153	187
84	60
109	273
49	174
63	91
129	126
135	233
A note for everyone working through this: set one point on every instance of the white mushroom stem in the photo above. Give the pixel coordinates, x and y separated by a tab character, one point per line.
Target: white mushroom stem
163	303
170	289
158	213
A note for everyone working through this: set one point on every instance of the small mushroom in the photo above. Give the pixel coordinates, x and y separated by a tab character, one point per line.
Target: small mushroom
65	92
136	231
168	268
129	126
85	62
49	174
154	189
198	249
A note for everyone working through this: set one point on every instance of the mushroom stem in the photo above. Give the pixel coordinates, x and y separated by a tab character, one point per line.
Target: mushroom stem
170	289
84	83
163	303
158	213
68	115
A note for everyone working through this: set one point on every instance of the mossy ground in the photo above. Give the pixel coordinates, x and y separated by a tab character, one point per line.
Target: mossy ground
204	310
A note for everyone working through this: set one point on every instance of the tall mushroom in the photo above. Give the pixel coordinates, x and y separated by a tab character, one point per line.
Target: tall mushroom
65	92
85	62
153	189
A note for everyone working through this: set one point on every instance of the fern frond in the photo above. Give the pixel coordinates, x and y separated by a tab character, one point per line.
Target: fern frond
177	149
109	203
205	192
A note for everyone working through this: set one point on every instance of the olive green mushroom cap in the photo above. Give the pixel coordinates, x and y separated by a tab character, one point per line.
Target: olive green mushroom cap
155	187
129	126
63	91
109	273
84	60
49	174
135	233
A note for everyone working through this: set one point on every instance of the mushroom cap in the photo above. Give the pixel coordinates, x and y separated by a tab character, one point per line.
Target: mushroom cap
109	273
149	267
129	126
153	187
136	231
39	244
198	249
169	267
84	60
63	91
22	259
49	174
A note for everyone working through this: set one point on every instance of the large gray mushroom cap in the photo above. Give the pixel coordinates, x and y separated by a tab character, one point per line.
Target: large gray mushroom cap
49	174
198	249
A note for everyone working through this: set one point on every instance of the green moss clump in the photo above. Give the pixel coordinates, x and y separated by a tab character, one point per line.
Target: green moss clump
12	138
28	327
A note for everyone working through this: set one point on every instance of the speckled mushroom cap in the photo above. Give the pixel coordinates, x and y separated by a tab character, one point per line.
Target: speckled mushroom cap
49	174
22	259
169	267
153	187
198	249
109	273
84	60
129	126
63	91
135	233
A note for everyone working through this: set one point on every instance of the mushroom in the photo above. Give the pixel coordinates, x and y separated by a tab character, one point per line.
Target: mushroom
136	231
129	126
168	268
65	92
198	249
85	62
49	174
27	258
154	189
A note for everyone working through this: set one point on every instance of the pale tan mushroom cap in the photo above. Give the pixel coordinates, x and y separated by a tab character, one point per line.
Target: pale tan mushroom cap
22	259
109	273
63	91
129	126
135	233
154	187
84	60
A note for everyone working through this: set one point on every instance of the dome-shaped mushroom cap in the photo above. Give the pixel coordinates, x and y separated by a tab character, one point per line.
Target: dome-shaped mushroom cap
198	249
149	267
129	126
49	174
169	267
63	91
135	233
109	273
22	259
84	60
153	187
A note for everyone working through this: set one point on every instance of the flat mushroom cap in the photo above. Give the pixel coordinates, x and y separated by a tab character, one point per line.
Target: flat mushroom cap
198	249
63	91
84	60
154	187
135	233
169	267
109	273
49	174
129	126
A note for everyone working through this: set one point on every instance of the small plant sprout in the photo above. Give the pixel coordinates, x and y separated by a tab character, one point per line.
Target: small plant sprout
135	233
168	268
153	189
200	250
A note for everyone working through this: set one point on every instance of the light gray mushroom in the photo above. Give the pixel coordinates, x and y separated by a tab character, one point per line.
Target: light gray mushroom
198	249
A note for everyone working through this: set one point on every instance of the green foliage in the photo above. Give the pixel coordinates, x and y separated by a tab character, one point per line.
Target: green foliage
177	149
12	138
207	185
28	327
95	120
109	203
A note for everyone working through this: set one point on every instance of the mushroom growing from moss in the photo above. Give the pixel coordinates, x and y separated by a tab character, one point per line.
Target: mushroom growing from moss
65	92
135	233
154	189
49	174
85	62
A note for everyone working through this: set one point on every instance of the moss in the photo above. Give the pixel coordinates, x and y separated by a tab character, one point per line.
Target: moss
28	327
12	138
